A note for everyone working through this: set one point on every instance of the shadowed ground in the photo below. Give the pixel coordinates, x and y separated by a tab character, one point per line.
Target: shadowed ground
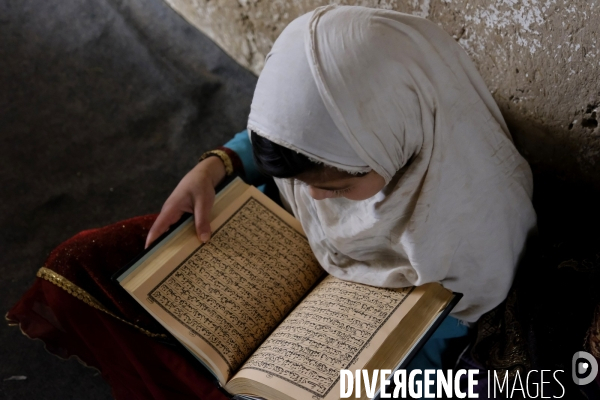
104	105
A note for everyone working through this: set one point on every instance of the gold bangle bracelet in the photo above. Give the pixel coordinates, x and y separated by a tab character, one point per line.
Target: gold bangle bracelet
223	156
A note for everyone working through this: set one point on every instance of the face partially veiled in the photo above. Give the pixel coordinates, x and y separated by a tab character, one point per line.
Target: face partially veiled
333	183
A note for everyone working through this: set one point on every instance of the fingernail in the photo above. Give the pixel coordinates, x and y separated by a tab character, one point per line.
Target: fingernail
204	237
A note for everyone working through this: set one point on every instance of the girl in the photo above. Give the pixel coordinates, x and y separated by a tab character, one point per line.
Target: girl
388	148
383	141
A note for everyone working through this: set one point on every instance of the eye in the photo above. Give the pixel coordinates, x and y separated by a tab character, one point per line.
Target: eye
341	191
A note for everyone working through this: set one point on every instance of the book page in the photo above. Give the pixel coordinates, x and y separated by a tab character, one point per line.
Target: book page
329	331
225	297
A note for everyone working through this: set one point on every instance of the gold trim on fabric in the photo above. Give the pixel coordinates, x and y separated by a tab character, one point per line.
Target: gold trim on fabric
223	156
79	360
9	321
74	290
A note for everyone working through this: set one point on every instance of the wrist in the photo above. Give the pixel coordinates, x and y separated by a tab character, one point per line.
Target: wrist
213	169
229	160
222	154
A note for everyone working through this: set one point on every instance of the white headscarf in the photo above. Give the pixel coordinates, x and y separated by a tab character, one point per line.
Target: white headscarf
361	89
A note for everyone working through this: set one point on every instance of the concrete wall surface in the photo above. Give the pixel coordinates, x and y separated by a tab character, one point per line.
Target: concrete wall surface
539	58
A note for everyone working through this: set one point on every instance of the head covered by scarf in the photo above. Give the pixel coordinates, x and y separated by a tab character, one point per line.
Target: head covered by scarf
364	89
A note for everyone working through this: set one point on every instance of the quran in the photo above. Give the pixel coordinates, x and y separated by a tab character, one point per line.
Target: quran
256	309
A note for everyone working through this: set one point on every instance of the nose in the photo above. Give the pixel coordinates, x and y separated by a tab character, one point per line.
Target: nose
319	194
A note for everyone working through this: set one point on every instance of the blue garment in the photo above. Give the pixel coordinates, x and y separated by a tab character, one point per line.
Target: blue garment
242	146
430	356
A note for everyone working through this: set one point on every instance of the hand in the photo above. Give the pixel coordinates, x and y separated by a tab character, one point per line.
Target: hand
194	194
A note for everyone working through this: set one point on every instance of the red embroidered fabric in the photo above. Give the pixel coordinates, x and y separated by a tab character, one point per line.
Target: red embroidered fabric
136	365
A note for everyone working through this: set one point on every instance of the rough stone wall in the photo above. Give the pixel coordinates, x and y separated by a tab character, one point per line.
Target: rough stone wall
540	59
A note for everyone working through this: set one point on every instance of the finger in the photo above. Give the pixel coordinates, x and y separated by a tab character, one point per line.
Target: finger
165	219
202	209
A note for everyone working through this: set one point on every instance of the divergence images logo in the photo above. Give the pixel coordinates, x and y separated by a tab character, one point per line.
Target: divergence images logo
583	364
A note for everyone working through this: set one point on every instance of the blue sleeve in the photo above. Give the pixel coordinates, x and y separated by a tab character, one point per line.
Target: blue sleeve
242	146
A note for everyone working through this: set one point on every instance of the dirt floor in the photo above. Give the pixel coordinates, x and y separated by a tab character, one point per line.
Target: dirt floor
104	105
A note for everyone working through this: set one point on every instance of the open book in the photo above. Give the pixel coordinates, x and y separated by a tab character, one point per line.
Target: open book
254	306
